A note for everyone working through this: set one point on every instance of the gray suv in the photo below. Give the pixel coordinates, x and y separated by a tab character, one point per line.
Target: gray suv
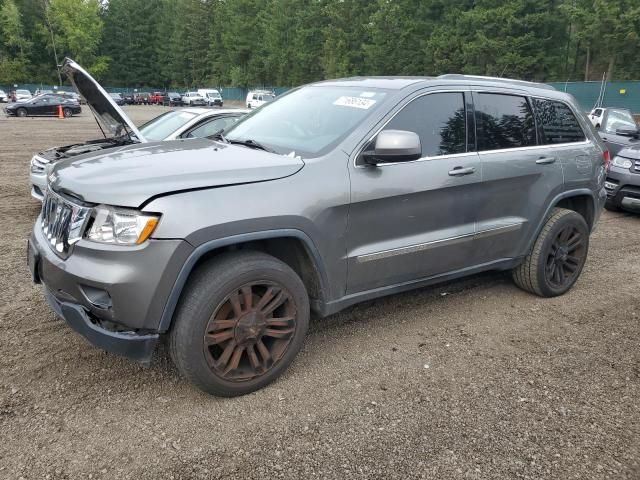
338	192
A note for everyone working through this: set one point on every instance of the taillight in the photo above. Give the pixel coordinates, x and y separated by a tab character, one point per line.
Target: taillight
607	160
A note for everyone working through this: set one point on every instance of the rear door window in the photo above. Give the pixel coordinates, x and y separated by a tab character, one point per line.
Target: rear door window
440	121
557	122
503	121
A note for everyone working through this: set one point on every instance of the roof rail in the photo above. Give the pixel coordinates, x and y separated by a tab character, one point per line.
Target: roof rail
457	76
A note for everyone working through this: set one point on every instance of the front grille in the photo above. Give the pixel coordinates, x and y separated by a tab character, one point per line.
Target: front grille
62	222
636	166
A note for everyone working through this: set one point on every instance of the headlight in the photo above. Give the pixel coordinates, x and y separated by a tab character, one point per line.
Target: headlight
622	162
121	226
38	164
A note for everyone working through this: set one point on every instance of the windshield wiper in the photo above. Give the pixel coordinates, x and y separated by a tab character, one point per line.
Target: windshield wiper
251	144
218	136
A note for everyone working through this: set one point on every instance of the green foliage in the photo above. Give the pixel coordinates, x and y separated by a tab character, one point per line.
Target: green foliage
14	45
77	30
197	43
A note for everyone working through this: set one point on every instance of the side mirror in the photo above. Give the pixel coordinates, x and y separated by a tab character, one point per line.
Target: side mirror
394	146
627	132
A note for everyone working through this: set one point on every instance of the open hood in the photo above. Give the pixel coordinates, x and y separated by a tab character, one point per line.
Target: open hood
112	120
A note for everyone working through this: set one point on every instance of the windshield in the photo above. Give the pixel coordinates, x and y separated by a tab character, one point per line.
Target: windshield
308	121
23	92
115	95
619	119
161	127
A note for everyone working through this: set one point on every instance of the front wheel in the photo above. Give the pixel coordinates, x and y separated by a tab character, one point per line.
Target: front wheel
67	112
21	112
558	255
241	322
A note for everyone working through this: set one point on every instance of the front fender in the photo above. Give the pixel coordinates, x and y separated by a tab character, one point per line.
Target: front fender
200	251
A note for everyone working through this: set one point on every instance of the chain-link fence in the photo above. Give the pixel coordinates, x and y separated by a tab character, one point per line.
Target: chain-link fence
615	94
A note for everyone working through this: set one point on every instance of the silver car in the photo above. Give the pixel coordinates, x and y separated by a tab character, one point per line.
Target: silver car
335	193
119	130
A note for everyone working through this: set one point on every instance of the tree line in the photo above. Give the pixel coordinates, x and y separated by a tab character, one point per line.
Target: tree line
183	43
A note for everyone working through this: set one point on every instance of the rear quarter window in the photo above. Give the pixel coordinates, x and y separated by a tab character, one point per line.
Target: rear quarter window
557	122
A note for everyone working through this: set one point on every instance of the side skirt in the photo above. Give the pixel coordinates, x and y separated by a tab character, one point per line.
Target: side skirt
329	308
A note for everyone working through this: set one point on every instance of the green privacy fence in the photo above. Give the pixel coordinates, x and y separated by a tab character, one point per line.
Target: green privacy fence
228	93
616	94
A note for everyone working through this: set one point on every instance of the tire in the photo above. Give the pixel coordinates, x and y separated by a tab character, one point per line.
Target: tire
67	112
611	206
207	309
21	112
558	255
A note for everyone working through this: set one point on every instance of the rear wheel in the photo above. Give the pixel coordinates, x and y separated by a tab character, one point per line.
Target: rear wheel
241	322
557	257
21	112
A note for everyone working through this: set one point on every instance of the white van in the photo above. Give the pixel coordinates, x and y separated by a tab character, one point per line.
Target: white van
257	98
211	96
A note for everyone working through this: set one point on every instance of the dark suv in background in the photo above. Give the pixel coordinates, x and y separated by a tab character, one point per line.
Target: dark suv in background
336	193
172	99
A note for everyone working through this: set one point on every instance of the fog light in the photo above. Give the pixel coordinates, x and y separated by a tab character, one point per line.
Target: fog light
610	185
97	297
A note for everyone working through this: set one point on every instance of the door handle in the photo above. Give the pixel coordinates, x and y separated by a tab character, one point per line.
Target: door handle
460	171
546	160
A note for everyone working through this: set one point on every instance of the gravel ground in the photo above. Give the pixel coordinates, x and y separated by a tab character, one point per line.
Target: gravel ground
473	379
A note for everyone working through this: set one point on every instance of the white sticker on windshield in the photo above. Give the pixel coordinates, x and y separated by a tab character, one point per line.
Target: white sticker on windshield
368	94
355	102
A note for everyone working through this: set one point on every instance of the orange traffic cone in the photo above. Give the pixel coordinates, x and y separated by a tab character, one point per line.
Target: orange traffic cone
60	114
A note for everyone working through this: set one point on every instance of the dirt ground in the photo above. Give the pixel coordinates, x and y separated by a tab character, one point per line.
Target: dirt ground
474	379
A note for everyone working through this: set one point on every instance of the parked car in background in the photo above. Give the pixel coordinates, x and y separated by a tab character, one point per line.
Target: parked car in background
623	181
43	105
156	98
193	99
70	96
120	130
23	95
143	98
172	99
117	98
398	183
257	98
4	97
211	97
595	116
42	92
617	128
129	98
